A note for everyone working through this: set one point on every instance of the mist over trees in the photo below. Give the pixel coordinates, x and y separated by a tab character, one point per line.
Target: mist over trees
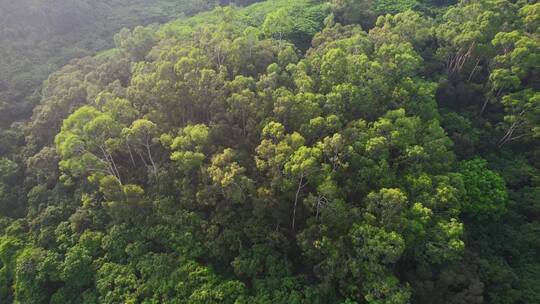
344	151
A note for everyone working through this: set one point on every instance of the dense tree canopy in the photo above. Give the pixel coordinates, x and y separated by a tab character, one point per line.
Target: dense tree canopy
284	152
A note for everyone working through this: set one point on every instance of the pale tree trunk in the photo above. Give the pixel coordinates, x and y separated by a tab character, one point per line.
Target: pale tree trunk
149	152
300	186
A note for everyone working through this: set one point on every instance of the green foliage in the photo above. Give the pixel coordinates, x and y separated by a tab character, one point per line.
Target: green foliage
393	7
39	37
122	202
86	143
295	24
136	43
36	271
485	194
189	146
286	152
355	11
9	250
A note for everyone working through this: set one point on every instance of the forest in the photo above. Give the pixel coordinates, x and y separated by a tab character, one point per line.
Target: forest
308	151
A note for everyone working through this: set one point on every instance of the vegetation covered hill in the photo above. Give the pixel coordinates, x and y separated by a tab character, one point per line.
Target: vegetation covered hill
40	36
286	152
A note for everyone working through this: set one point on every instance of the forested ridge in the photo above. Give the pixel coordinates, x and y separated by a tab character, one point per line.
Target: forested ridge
40	36
344	151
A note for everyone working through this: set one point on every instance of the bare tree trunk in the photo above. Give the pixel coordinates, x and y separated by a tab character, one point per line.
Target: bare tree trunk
130	154
474	69
487	101
484	106
143	160
456	62
151	158
107	162
300	186
244	132
111	164
510	132
116	169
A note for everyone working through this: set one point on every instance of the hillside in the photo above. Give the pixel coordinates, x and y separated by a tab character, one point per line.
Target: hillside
39	37
284	152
